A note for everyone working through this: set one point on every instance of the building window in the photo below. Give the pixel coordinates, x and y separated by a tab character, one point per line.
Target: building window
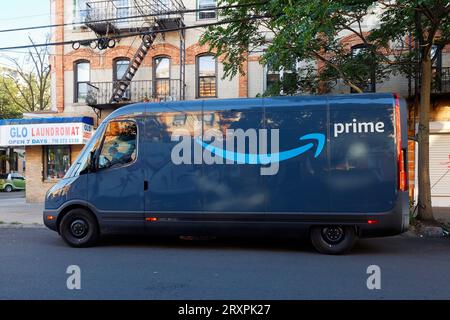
119	70
206	76
204	5
57	161
436	67
82	78
161	75
119	144
369	84
272	78
123	11
80	10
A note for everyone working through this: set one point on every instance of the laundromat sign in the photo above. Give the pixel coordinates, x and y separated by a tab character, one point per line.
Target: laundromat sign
45	134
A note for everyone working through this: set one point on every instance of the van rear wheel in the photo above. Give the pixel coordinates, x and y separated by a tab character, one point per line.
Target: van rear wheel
333	239
79	228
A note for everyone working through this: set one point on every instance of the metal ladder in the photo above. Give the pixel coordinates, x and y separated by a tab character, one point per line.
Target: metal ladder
122	85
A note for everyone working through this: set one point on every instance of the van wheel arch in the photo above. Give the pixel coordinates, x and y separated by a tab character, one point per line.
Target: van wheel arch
66	210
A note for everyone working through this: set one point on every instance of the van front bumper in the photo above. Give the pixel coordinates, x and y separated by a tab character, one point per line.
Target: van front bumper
50	219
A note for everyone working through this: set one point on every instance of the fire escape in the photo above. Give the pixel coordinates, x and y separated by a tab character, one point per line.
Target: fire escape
149	18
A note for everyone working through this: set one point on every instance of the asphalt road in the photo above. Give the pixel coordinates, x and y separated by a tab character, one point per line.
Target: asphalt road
33	264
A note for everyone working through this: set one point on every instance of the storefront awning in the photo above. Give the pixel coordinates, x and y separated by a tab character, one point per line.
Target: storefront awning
46	131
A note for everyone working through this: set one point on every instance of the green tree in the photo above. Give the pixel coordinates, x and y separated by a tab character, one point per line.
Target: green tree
427	21
28	86
292	31
7	107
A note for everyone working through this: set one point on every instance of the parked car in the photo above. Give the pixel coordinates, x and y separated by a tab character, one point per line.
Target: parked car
12	181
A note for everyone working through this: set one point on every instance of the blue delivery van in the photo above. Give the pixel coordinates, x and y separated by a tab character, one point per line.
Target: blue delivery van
333	168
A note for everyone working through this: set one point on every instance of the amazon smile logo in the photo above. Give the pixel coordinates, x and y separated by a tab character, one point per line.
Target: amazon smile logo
249	147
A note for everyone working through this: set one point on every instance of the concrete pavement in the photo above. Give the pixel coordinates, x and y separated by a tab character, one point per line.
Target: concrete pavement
16	212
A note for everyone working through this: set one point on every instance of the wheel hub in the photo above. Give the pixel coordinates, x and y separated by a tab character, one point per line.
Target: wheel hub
79	228
333	234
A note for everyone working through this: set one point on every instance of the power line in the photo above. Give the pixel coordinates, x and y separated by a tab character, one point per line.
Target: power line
26	17
130	17
121	36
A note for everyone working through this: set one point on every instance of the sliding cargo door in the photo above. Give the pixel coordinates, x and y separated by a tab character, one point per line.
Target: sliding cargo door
173	178
232	182
300	183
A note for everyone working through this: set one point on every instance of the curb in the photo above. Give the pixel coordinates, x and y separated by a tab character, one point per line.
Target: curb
21	226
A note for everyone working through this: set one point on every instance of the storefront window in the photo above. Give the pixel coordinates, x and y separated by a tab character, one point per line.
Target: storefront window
57	161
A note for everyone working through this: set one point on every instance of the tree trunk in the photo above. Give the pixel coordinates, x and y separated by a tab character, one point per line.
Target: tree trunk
423	137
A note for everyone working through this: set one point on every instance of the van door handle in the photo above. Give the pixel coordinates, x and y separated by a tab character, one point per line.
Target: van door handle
145	185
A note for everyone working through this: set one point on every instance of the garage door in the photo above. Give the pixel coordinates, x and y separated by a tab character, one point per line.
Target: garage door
440	168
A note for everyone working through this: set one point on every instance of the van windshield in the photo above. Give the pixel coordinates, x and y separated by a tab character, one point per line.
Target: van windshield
83	158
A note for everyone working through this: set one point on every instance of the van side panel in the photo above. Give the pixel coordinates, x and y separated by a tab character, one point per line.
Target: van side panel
363	171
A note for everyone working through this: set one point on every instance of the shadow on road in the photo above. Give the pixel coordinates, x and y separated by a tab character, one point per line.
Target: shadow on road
209	243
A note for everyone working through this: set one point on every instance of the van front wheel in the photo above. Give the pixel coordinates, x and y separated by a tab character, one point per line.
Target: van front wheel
333	239
79	228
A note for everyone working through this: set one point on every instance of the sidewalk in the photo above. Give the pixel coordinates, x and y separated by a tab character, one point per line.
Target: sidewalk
442	214
16	212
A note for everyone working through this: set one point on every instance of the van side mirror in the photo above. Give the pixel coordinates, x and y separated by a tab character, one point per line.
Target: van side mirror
91	164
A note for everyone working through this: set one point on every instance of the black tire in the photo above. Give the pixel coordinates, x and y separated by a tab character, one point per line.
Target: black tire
8	188
333	239
79	228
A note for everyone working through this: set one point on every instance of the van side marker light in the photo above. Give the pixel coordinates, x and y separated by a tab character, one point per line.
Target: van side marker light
372	221
151	219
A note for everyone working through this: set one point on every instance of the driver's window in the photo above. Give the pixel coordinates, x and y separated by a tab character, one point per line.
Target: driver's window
119	144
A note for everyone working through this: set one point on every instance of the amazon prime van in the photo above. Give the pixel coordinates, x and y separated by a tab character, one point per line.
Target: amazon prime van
333	168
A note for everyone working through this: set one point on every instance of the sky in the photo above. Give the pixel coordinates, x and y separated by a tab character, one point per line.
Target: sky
22	13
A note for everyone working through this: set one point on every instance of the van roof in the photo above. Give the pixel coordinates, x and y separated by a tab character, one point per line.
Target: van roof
239	103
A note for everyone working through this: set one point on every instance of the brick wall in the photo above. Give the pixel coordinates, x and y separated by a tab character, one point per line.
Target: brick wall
57	60
243	80
36	187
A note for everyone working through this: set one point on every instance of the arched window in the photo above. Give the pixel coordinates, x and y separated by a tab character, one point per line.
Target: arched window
206	76
161	76
82	78
369	84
